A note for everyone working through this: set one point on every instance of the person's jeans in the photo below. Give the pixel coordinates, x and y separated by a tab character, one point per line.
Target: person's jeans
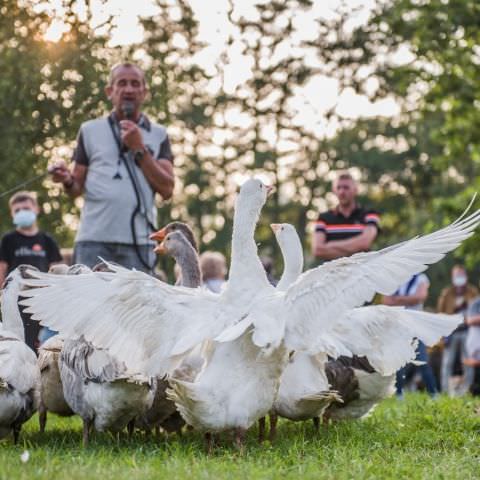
425	371
456	344
89	254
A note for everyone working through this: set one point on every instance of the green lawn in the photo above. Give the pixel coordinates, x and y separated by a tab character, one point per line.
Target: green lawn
414	438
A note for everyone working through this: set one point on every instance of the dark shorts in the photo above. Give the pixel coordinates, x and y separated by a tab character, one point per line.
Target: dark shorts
90	253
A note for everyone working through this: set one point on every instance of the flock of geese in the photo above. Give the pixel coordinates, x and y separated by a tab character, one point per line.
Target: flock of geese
136	352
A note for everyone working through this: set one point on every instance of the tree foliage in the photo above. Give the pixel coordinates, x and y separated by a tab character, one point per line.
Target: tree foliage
419	168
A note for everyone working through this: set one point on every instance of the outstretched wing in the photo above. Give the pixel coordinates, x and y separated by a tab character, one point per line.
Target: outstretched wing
138	318
385	335
321	296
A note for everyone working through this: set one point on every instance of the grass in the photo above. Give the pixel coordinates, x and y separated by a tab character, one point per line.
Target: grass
417	438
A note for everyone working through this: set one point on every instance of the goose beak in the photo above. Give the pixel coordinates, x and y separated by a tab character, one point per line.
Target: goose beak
275	227
159	236
160	249
270	189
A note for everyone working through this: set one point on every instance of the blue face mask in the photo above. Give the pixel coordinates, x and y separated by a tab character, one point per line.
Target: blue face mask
24	218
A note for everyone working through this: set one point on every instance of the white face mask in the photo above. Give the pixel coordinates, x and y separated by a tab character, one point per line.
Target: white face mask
459	280
24	218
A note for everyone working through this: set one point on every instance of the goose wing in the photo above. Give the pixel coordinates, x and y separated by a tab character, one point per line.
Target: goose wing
138	318
321	296
387	335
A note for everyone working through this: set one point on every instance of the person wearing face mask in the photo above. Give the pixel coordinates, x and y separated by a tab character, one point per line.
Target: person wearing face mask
27	245
412	296
455	299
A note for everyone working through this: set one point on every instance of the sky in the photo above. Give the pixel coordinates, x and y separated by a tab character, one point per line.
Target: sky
214	29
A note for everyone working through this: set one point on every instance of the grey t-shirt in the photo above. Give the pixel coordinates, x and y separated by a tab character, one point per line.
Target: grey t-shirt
109	194
472	344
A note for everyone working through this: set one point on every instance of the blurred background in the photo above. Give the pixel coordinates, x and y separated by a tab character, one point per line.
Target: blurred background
290	90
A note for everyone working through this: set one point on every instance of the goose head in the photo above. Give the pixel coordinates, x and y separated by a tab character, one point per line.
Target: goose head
174	244
292	252
174	227
180	248
252	197
245	267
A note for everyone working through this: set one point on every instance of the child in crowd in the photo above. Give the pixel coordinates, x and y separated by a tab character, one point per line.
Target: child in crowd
213	266
27	245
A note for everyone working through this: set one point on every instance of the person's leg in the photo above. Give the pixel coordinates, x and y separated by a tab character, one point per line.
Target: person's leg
475	385
31	328
448	360
425	369
89	253
468	371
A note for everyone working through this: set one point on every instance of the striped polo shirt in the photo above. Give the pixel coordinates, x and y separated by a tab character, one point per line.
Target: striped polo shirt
338	227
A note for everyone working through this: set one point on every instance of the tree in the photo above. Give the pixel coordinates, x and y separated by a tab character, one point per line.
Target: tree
46	91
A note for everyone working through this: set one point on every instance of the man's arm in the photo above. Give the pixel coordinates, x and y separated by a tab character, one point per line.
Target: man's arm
73	181
158	172
3	272
407	300
342	248
473	320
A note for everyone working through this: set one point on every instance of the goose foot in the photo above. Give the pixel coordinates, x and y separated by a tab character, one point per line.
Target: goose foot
261	429
42	417
130	428
87	428
239	439
316	424
273	426
209	443
16	433
326	418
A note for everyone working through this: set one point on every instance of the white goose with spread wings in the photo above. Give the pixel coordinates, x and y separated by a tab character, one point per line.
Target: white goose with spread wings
380	334
178	241
146	322
19	373
97	386
304	390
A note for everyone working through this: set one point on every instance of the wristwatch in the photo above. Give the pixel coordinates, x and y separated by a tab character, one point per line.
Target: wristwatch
139	154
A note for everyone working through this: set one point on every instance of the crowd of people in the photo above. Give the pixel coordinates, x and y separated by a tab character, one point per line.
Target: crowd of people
123	160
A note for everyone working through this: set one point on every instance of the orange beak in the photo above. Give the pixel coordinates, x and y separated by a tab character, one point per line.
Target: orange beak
159	236
275	227
160	249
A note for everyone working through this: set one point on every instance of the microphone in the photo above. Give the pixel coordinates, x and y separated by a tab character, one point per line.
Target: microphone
128	109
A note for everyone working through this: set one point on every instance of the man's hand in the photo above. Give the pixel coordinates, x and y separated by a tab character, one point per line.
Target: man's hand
60	172
131	136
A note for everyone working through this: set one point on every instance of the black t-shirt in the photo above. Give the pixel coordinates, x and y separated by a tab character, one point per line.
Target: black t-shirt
39	250
338	227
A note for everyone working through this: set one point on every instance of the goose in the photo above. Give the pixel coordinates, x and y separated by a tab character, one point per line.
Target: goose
178	241
353	380
51	389
305	391
147	323
98	387
19	373
52	398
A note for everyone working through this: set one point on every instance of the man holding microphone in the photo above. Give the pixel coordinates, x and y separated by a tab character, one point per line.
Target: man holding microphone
120	163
